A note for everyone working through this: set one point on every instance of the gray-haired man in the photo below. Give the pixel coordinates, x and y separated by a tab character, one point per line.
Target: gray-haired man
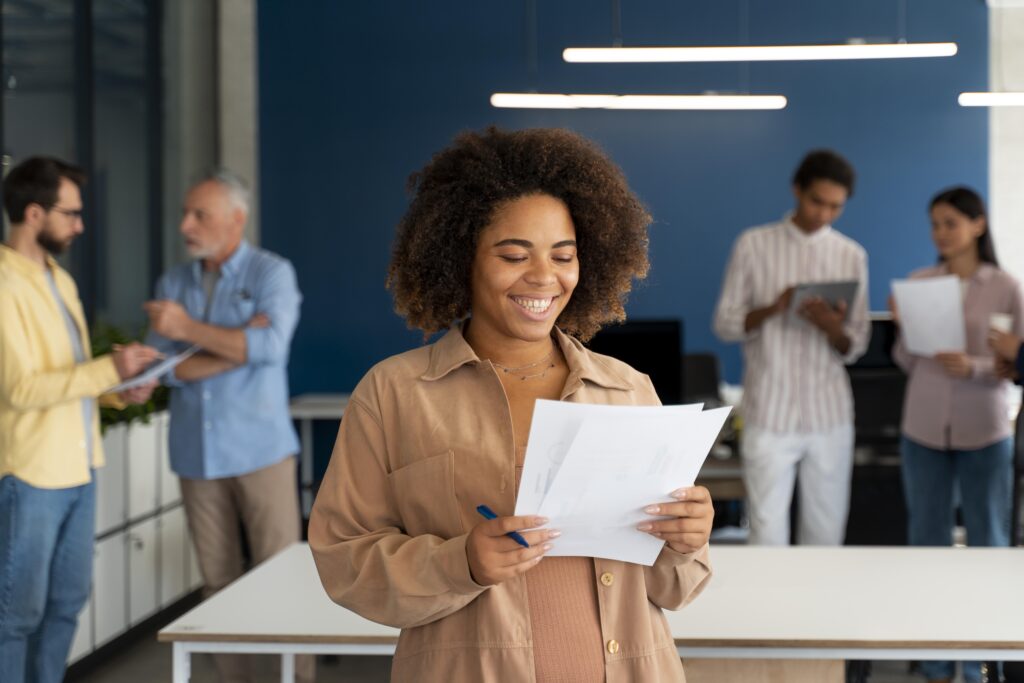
231	437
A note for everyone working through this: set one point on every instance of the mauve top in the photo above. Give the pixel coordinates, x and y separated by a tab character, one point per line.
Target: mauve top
945	412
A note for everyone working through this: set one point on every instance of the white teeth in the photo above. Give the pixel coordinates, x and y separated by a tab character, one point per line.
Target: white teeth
533	305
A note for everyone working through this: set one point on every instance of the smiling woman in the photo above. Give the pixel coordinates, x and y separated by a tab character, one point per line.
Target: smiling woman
463	188
523	277
512	239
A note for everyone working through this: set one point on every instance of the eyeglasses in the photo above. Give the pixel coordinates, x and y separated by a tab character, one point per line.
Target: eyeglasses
73	214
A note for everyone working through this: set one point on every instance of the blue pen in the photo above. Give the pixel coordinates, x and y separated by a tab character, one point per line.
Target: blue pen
514	535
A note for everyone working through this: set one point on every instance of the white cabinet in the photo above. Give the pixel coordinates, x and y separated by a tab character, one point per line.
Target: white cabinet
173	556
110	483
143	570
110	600
142	469
170	486
82	644
150	564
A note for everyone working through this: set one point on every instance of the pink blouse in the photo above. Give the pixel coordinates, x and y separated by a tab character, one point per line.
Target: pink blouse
945	412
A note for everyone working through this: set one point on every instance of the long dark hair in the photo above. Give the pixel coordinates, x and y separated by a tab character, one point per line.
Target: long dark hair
969	203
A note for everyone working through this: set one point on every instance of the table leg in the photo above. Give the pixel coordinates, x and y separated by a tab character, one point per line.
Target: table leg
182	663
287	667
306	465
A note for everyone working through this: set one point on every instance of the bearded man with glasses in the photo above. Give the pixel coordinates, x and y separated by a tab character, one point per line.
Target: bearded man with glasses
49	426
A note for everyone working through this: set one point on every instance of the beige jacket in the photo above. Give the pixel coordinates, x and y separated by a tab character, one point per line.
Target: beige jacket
427	436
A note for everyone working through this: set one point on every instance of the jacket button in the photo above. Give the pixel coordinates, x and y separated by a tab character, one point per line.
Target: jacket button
607	578
613	647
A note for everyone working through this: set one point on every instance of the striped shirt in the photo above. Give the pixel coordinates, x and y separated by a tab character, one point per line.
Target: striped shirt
794	380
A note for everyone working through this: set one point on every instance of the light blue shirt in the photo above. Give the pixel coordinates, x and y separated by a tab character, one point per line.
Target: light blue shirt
235	422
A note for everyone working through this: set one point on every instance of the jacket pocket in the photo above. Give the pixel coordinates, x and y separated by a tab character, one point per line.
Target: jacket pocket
425	494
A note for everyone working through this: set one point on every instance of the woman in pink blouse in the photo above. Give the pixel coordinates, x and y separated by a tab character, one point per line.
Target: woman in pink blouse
956	430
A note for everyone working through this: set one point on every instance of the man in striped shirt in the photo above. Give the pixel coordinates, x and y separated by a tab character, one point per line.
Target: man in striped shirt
797	404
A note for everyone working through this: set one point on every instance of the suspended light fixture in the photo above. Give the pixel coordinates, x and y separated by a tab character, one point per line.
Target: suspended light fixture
663	102
706	101
757	53
991	99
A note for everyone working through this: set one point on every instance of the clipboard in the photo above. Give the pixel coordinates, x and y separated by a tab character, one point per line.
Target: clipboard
832	292
154	371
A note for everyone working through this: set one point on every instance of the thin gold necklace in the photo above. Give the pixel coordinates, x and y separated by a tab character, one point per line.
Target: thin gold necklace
546	361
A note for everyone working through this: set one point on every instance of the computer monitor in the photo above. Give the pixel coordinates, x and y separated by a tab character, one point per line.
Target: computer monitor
879	351
654	347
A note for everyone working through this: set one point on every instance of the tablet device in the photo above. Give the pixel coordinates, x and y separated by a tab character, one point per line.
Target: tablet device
832	292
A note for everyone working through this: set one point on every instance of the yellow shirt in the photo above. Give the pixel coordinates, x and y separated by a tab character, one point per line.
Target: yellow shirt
42	435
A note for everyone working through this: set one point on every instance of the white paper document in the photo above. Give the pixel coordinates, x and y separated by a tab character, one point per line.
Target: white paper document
931	314
591	469
154	371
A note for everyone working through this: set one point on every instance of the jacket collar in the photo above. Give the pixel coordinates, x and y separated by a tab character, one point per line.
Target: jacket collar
984	272
24	264
453	351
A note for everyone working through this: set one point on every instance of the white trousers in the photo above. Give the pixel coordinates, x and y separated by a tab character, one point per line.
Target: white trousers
771	463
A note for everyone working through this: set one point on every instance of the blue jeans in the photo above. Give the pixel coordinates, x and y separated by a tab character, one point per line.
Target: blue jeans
46	546
985	478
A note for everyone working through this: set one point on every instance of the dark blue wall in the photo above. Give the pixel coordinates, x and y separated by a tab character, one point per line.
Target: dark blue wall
355	96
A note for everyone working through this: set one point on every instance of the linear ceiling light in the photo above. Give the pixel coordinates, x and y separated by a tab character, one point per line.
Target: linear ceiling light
555	101
991	99
757	53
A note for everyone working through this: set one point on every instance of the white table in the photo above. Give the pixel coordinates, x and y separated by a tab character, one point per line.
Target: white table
763	603
279	607
306	408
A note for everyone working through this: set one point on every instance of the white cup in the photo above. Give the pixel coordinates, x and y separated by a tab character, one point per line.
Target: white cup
1003	322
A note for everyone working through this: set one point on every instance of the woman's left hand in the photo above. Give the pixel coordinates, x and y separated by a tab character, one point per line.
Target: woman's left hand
1006	370
956	364
690	526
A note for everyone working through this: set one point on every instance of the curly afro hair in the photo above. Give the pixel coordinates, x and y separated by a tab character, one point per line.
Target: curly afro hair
455	197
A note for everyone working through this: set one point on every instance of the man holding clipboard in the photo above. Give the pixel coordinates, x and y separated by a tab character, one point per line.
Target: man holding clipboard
50	445
795	295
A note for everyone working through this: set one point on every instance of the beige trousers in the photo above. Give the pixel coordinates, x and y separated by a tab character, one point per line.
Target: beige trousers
265	504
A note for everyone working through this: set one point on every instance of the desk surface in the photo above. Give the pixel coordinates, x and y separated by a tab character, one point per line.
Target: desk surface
925	598
858	597
318	406
281	600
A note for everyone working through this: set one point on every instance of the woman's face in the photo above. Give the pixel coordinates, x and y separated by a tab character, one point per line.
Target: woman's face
953	232
524	271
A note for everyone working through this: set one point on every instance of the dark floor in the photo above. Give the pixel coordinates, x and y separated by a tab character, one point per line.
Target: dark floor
147	661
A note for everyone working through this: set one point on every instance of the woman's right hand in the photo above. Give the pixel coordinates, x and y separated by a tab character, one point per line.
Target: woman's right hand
495	557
